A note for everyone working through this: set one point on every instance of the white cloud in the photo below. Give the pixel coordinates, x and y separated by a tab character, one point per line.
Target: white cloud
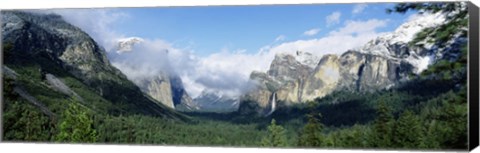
226	71
352	35
333	18
147	59
360	27
280	38
311	32
359	8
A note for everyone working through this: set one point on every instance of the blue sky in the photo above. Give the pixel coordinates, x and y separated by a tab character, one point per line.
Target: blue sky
218	47
207	30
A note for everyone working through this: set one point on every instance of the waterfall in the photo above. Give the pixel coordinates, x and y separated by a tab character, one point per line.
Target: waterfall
273	103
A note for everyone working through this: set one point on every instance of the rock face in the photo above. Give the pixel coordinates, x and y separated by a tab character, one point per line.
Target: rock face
58	85
285	78
356	71
367	72
181	99
286	68
167	89
48	37
289	76
159	88
324	78
7	72
381	63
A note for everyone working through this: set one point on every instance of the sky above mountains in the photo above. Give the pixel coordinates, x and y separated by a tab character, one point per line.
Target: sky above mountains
207	30
217	47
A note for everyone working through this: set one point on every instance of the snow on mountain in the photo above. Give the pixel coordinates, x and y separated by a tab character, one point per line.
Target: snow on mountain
403	34
394	45
406	32
307	59
126	44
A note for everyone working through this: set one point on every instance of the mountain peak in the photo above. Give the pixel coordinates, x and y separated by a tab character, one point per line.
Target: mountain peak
307	59
127	44
403	34
215	101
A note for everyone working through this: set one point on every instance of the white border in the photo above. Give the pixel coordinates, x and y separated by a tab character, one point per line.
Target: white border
80	148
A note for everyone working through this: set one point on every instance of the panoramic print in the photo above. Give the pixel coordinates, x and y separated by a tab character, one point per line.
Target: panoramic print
347	76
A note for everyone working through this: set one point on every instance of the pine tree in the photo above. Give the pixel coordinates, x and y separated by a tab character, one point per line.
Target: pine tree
407	131
311	135
429	138
382	128
454	121
352	137
276	136
77	126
